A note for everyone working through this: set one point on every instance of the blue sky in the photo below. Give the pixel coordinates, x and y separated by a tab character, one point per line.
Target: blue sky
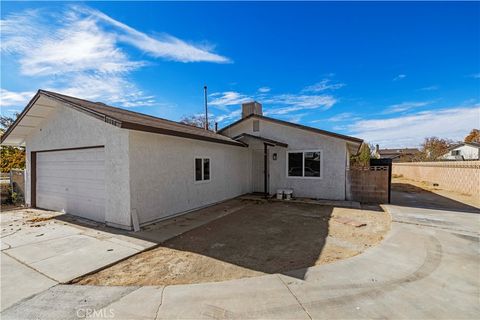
390	73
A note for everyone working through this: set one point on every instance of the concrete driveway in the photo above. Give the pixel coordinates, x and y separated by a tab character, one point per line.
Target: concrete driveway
427	267
39	251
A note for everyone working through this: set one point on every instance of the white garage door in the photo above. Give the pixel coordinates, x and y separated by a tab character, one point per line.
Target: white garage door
72	181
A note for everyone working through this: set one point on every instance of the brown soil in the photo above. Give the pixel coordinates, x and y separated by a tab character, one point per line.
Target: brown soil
40	219
273	237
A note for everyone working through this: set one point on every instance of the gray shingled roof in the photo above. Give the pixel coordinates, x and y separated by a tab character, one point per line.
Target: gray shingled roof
139	121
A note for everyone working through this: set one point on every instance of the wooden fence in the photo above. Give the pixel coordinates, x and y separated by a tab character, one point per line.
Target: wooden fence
368	184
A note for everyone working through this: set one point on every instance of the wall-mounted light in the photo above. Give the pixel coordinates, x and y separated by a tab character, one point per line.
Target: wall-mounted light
274	156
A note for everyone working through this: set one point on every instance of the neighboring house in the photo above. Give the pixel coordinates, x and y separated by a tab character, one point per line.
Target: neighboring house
119	167
397	155
463	151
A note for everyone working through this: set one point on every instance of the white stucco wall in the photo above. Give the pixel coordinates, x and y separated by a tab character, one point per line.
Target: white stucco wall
162	174
68	128
468	153
334	150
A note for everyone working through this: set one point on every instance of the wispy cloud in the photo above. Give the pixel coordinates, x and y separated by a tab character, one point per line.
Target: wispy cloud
429	88
264	89
341	117
296	118
76	44
410	130
222	100
165	46
323	85
233	115
345	116
400	77
14	99
81	51
97	87
476	75
288	103
405	106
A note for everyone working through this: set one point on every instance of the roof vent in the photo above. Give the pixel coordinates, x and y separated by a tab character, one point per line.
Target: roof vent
249	108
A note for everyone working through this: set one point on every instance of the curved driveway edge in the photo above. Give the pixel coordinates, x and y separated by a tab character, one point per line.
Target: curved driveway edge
418	271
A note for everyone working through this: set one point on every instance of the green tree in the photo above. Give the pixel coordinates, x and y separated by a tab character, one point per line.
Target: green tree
362	159
11	157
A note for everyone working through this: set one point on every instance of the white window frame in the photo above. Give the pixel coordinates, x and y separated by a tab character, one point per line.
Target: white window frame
303	164
203	167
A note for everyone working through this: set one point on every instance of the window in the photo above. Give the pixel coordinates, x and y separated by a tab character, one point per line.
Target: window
202	169
304	164
295	164
256	125
455	152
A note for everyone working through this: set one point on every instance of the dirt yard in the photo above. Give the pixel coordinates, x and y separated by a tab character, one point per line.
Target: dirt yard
263	237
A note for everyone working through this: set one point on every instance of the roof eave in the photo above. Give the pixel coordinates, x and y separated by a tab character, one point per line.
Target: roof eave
301	127
20	117
144	128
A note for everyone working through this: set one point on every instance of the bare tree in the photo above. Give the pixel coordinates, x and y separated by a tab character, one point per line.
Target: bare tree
194	120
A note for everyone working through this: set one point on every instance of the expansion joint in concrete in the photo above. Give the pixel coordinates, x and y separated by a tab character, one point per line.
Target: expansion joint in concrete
29	267
296	298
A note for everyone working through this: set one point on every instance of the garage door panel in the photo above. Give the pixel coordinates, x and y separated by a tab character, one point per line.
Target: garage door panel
76	206
71	190
72	155
72	181
83	174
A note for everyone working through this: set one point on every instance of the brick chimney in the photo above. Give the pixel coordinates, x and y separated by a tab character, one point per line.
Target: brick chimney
249	108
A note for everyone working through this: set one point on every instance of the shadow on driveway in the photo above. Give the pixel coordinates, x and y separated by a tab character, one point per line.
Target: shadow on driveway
408	195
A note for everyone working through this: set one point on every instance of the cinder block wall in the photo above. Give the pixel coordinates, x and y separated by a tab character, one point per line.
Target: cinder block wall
459	176
368	185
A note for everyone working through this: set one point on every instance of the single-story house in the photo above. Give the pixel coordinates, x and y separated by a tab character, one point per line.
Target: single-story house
463	151
396	155
125	168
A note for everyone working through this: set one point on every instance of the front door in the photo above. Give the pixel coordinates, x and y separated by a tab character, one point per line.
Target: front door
258	172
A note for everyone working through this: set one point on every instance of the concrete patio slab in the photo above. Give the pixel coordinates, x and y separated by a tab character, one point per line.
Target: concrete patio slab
19	281
75	263
46	249
39	250
29	234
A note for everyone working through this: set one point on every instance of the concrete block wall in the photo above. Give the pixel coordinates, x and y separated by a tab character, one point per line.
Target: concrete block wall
368	185
458	176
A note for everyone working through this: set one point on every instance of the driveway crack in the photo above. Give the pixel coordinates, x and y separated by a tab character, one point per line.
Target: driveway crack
296	298
161	302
